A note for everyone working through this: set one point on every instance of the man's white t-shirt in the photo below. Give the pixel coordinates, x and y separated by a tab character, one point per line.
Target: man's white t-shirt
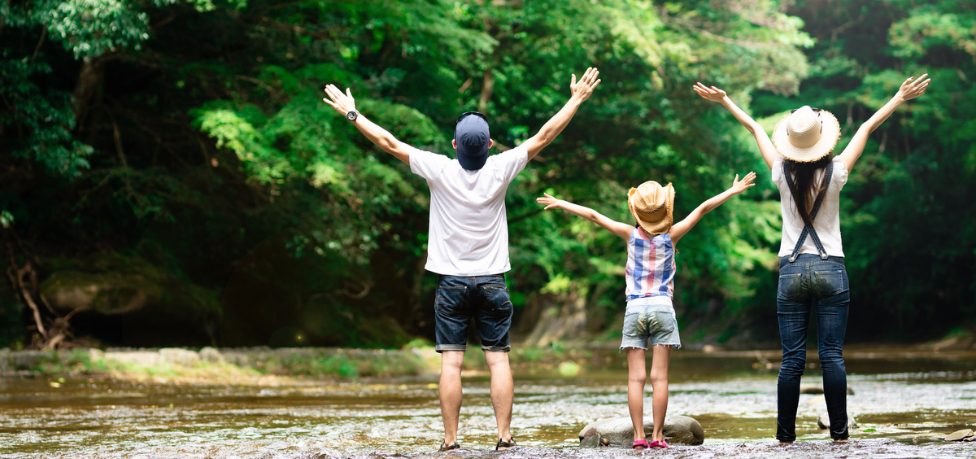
468	223
827	222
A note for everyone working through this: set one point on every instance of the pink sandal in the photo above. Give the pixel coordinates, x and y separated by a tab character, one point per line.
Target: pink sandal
659	444
641	444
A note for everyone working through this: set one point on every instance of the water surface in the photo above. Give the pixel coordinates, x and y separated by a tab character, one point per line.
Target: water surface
902	403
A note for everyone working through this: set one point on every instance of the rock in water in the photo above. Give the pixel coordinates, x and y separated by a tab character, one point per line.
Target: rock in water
818	389
823	421
679	430
810	389
959	435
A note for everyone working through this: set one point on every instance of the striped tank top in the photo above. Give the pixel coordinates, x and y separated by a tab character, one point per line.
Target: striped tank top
650	265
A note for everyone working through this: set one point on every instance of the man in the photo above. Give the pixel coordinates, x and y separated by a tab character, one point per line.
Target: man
468	241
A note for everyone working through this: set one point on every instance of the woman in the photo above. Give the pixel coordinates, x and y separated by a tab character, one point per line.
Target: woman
812	271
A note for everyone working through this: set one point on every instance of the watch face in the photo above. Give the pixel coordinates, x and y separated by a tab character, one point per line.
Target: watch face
352	115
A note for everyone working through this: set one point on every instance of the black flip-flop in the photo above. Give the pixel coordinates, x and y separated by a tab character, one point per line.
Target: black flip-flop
505	444
446	447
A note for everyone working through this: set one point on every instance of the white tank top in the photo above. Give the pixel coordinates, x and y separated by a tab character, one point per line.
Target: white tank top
827	222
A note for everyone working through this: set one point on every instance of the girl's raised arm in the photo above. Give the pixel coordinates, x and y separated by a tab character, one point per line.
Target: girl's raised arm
680	229
766	148
615	227
910	89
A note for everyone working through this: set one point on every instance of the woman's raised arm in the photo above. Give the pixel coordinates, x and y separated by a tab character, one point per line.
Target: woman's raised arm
910	89
766	148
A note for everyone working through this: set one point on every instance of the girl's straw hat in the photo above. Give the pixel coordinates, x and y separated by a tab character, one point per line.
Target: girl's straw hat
653	206
807	134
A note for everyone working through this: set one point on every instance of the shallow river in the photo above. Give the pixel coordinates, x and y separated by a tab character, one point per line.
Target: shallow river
902	403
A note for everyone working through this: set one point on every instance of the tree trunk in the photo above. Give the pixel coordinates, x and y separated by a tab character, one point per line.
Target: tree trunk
89	82
487	86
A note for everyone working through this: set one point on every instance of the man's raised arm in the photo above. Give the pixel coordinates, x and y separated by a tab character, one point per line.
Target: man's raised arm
346	105
580	91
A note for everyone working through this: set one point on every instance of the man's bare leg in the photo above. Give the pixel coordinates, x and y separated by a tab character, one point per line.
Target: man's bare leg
450	391
502	392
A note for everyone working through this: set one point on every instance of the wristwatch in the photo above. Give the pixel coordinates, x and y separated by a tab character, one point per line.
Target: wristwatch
352	115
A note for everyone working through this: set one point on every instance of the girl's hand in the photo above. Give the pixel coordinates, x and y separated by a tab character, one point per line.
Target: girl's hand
913	87
738	186
548	201
709	92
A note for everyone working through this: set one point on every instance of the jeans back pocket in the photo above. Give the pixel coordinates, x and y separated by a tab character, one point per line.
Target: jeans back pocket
496	298
791	287
829	282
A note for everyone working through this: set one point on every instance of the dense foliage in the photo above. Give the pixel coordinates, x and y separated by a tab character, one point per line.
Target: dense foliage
170	175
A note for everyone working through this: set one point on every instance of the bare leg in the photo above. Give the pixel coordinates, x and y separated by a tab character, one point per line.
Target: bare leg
502	392
636	377
450	390
659	384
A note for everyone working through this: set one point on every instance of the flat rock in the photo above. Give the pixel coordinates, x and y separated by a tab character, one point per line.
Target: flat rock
823	421
177	356
679	430
960	435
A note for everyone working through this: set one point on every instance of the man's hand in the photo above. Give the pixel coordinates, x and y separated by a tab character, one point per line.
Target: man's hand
913	87
343	103
548	201
584	88
738	186
709	93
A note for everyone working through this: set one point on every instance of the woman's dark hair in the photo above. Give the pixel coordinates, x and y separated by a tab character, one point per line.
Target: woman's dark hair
807	186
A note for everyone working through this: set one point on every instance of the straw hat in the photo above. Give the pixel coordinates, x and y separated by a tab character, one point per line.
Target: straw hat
807	134
653	206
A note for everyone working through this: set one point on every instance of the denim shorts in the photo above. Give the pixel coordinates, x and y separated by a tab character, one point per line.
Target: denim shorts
459	299
650	321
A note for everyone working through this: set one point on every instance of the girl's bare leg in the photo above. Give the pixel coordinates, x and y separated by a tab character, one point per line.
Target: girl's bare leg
636	377
659	384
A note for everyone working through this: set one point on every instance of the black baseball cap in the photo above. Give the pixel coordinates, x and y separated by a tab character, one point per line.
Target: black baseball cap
472	137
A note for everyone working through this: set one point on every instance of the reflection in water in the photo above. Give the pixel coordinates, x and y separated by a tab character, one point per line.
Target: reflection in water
900	405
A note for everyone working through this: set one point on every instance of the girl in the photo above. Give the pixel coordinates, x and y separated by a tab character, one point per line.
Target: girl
650	286
812	272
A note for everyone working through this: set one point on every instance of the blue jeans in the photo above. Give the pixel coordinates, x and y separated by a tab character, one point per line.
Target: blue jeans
821	285
462	298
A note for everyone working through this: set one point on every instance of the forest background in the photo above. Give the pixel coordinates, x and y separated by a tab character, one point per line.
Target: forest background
170	176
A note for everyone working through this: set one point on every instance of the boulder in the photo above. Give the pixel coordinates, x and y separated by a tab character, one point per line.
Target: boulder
679	430
823	421
960	435
148	304
103	293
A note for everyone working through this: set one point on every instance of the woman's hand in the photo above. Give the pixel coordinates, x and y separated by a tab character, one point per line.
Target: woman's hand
913	87
549	201
710	93
738	186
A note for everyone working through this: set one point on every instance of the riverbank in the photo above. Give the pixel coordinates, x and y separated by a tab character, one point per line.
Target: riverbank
266	366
